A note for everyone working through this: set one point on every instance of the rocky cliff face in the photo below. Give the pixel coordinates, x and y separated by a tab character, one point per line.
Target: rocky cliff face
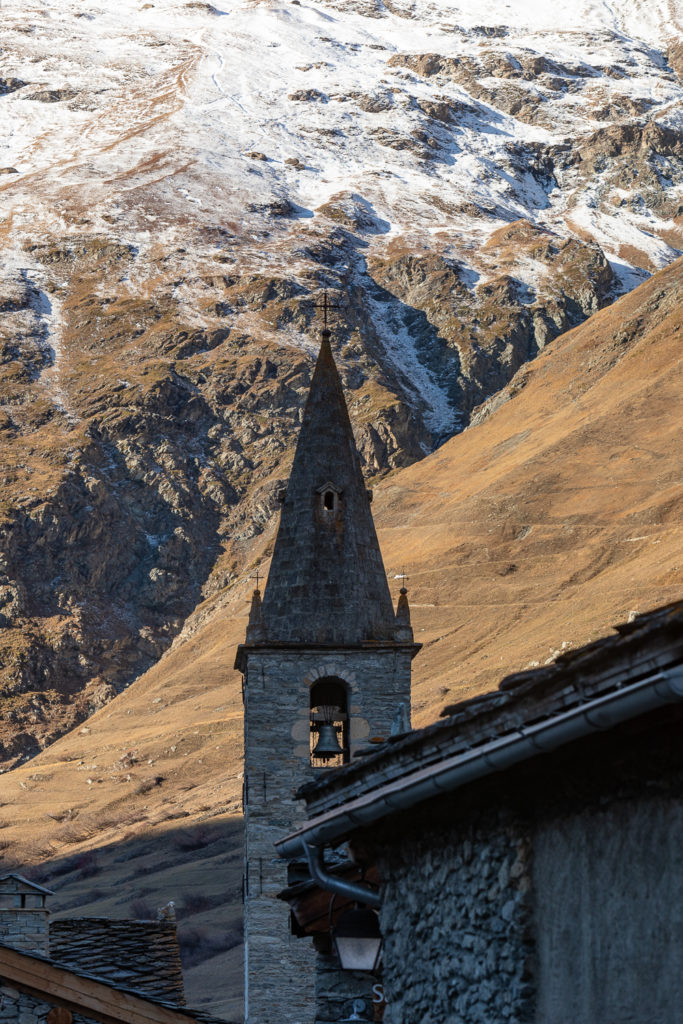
179	183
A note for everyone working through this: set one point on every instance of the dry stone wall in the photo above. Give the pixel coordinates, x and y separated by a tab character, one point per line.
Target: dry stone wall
455	917
549	893
25	928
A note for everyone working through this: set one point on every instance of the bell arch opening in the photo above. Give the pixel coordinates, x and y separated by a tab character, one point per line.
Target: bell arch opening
329	723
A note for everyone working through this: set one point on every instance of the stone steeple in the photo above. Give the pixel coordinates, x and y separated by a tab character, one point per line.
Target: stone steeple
323	649
327	582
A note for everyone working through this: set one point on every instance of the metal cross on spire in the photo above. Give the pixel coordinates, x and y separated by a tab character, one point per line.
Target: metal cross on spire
326	306
403	577
257	576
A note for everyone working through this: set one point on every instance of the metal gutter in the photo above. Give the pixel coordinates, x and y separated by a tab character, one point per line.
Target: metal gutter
656	690
332	883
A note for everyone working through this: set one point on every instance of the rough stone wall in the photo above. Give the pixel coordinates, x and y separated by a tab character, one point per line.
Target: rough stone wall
280	968
25	928
608	888
455	917
19	1008
552	892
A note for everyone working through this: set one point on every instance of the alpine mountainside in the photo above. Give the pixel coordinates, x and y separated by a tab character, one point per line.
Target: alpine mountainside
179	182
556	516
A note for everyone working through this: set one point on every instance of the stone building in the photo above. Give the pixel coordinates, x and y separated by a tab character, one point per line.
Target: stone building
86	970
23	914
528	845
326	664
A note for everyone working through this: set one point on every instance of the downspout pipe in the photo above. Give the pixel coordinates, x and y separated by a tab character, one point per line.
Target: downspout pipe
656	690
334	884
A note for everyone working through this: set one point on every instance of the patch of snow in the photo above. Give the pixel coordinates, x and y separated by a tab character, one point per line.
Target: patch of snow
440	416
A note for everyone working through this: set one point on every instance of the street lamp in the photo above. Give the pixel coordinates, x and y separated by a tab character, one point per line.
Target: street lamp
358	939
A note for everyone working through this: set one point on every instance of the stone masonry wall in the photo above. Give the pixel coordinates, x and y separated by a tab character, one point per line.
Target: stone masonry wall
25	928
18	1008
551	893
280	968
455	917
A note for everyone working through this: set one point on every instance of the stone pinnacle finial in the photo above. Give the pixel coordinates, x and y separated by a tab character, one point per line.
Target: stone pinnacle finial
401	720
404	629
256	628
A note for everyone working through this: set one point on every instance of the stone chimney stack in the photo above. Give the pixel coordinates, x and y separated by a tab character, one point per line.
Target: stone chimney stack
23	915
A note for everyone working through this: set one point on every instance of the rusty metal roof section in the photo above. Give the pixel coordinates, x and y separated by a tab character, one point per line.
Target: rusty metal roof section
140	955
327	583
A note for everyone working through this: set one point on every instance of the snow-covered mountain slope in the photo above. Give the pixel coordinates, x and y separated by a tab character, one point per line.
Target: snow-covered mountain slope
178	182
428	125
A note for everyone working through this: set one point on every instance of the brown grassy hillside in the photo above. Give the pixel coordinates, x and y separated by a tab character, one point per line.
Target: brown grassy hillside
537	529
556	516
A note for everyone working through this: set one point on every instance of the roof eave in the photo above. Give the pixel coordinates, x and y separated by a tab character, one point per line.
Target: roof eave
408	789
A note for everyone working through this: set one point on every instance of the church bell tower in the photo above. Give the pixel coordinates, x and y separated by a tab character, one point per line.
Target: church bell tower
326	663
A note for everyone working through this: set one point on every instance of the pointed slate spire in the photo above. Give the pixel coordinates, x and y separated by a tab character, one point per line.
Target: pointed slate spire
327	582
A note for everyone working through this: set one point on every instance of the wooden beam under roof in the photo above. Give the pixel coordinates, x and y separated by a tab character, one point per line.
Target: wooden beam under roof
83	994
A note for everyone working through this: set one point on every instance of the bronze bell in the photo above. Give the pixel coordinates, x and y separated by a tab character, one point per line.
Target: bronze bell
328	742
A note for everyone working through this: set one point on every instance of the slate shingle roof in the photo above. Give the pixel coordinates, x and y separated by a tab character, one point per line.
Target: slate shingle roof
327	583
141	955
183	1013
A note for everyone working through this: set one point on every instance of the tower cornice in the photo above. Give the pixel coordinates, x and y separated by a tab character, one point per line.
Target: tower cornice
244	650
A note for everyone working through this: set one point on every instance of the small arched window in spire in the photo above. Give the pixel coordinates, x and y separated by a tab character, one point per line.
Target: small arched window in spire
329	498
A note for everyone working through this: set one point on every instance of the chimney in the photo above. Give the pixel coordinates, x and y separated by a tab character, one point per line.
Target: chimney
23	914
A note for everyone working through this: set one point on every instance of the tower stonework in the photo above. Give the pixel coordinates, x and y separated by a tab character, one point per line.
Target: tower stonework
325	656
